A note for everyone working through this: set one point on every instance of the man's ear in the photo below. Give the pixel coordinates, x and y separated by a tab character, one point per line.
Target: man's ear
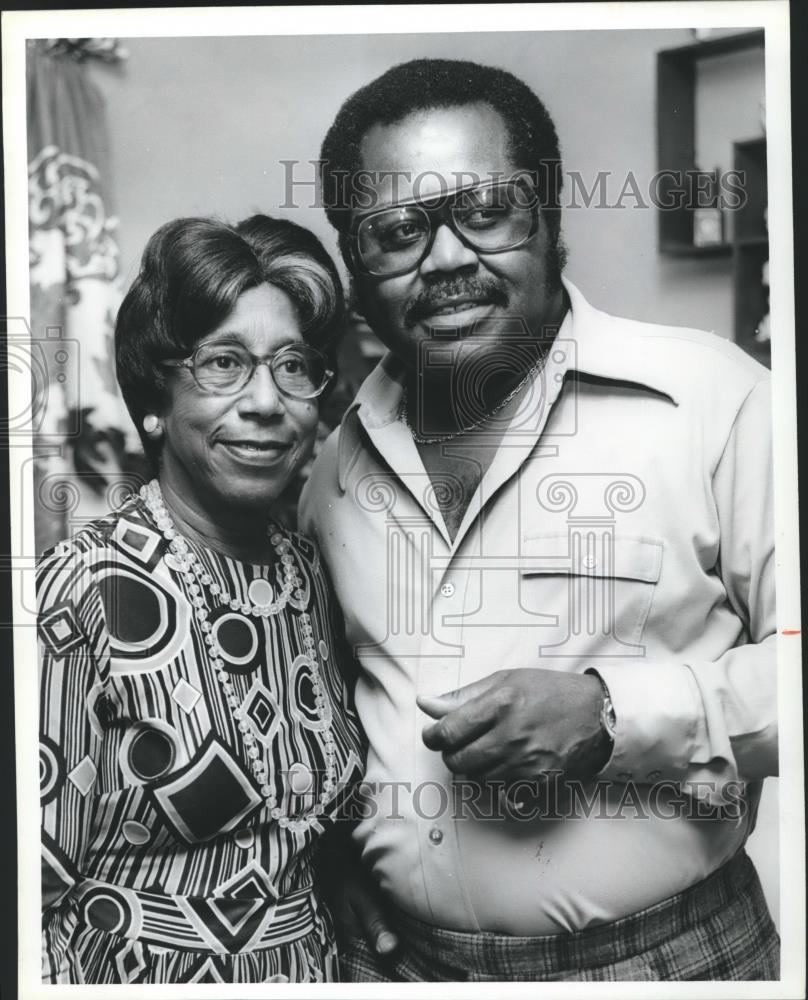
346	250
355	303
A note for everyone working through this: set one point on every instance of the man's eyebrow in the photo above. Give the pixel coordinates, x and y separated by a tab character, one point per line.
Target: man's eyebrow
439	198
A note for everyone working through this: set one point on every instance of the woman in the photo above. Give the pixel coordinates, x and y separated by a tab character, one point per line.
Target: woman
196	730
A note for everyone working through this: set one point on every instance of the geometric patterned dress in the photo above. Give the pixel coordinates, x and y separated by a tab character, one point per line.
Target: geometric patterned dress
161	862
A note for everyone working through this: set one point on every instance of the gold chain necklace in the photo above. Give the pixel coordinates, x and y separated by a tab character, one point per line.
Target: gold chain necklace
440	438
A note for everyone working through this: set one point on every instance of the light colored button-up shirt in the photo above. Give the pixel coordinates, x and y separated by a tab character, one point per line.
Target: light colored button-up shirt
624	525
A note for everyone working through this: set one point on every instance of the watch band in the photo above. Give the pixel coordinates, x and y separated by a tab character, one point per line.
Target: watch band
608	716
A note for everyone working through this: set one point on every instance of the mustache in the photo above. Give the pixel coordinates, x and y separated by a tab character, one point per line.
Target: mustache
433	296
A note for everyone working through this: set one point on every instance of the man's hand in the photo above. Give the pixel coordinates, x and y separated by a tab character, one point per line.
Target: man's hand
358	910
519	724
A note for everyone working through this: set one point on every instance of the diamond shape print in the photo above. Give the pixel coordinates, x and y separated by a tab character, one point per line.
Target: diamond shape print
129	961
235	914
185	695
139	542
262	709
83	775
210	796
250	882
206	972
59	629
261	712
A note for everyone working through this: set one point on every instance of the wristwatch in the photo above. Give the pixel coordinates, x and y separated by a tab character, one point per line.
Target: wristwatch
608	716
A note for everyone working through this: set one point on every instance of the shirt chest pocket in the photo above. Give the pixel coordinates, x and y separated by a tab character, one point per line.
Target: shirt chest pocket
591	588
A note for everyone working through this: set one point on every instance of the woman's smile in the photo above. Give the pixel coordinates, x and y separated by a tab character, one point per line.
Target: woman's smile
236	452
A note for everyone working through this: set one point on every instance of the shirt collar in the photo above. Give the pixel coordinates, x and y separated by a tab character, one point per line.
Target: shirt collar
616	349
606	347
379	396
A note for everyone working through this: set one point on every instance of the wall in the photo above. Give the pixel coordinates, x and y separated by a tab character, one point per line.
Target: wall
198	126
730	91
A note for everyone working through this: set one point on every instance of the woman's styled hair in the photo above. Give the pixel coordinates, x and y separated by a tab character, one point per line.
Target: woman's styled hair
425	84
192	273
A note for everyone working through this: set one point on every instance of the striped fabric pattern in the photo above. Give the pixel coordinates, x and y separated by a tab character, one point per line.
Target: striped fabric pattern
226	925
146	784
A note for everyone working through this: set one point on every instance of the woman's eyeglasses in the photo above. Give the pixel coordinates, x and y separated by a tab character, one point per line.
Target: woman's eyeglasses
299	371
490	218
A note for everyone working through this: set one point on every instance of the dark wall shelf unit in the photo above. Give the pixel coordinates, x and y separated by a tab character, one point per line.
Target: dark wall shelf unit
745	242
750	249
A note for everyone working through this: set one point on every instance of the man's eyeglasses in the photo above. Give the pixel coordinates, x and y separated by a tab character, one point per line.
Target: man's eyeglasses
490	218
299	371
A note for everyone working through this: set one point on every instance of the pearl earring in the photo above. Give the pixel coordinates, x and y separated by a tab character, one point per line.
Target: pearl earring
151	423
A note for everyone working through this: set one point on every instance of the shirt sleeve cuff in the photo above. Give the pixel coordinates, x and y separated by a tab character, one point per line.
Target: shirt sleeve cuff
657	708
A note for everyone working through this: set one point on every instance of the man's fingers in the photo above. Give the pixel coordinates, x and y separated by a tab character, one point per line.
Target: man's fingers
386	942
373	920
435	705
461	725
438	705
485	757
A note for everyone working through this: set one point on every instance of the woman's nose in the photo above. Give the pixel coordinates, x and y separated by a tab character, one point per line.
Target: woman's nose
447	253
261	395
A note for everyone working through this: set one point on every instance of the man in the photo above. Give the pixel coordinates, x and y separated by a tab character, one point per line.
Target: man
550	531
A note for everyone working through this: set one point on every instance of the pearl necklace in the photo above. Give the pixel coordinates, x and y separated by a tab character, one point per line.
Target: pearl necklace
440	438
198	580
153	499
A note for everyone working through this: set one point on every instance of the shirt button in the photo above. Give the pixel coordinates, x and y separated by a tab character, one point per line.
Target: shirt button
589	562
447	589
624	775
654	775
435	835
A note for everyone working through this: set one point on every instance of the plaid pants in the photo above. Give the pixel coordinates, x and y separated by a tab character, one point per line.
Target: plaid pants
719	929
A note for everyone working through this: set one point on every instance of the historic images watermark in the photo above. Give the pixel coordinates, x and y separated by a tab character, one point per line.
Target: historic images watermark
550	797
583	550
40	364
365	190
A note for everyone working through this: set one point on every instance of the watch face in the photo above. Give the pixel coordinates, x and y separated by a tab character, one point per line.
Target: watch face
608	717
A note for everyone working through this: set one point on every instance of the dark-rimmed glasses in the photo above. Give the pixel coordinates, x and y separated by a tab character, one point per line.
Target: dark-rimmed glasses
489	218
224	368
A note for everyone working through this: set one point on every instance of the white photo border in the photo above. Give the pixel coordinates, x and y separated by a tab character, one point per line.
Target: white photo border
323	20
